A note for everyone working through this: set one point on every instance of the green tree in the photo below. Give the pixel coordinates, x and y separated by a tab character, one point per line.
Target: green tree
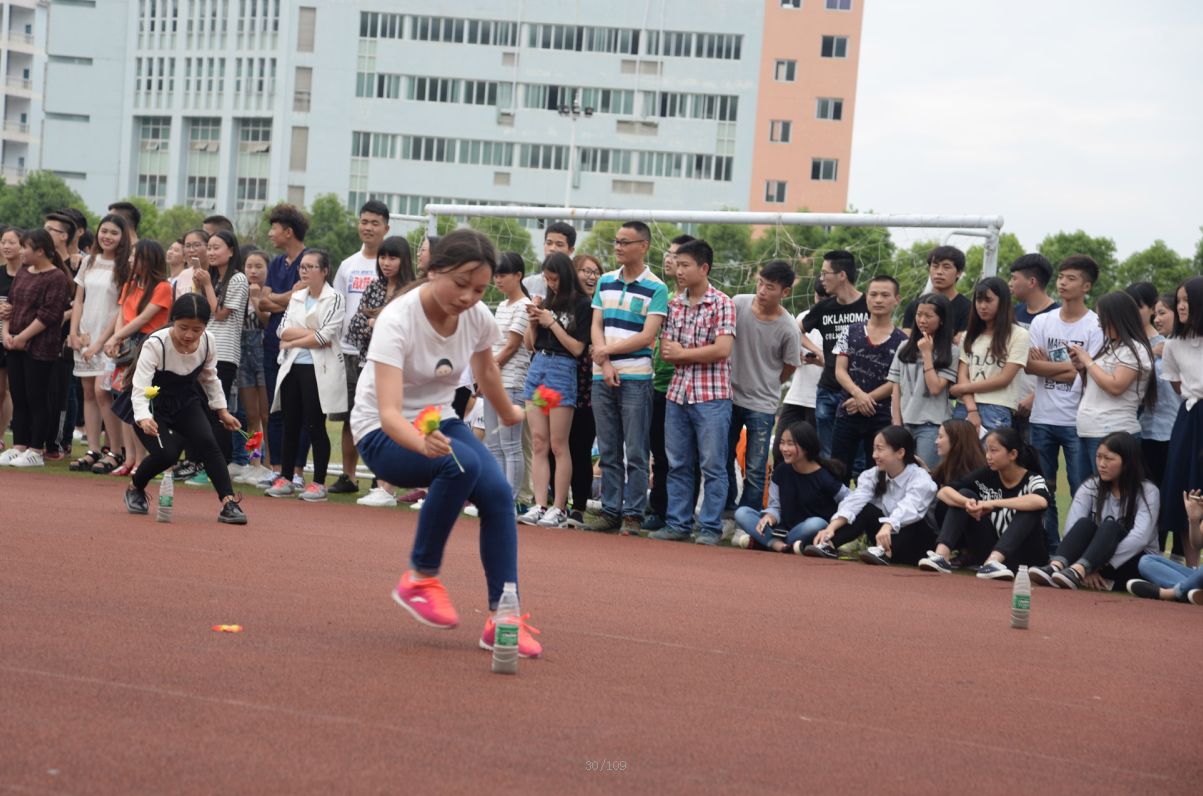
174	222
910	268
873	248
418	234
334	228
1158	264
1197	264
1058	246
148	227
25	205
508	234
1009	250
732	243
597	243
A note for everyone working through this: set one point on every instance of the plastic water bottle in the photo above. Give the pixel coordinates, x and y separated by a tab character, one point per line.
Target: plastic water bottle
166	493
1021	599
505	632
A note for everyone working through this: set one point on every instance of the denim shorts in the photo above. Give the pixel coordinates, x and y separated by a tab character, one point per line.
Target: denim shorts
554	372
250	369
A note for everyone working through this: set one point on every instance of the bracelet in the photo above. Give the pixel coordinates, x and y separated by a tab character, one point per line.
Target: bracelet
972	411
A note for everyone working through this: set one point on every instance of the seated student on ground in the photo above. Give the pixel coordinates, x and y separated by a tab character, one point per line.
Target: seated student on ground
890	505
804	493
997	510
1112	520
960	451
1165	579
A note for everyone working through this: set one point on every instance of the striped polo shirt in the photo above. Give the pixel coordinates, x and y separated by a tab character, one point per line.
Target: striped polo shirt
625	307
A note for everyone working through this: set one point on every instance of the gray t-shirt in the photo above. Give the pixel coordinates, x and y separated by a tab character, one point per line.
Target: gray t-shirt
760	352
918	404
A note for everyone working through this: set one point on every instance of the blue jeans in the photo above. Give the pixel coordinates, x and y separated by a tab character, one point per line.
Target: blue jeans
693	433
756	456
992	415
624	417
1088	451
1170	575
275	420
1049	440
925	442
853	441
238	442
826	403
481	481
747	519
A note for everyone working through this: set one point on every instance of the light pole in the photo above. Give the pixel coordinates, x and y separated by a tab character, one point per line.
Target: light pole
574	112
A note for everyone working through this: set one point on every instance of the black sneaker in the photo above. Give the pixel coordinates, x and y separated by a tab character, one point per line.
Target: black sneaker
1144	589
182	472
344	486
575	519
1068	578
875	555
135	500
1043	576
824	550
231	513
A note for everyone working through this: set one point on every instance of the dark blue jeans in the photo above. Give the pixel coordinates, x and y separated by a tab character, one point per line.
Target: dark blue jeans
853	440
756	456
693	434
826	404
275	420
624	419
480	481
1049	441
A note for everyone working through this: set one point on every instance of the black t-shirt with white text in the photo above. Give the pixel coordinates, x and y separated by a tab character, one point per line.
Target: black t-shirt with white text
831	318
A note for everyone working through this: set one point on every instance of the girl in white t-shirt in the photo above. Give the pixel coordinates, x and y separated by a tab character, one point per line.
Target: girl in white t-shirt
421	344
1116	382
1182	366
505	443
993	351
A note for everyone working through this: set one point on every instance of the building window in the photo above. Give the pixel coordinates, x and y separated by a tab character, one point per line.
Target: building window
721	107
839	5
204	143
432	89
471	31
726	46
306	28
726	139
202	192
834	47
785	71
774	192
583	39
823	169
153	158
252	193
792	3
830	109
693	167
383	26
254	163
605	161
536	156
779	132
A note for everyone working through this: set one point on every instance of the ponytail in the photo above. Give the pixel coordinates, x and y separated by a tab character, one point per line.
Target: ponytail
1011	440
899	439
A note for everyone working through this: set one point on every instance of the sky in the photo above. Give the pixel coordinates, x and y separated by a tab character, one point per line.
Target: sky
1055	114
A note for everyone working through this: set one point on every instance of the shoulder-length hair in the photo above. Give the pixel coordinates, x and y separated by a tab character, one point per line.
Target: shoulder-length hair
1004	320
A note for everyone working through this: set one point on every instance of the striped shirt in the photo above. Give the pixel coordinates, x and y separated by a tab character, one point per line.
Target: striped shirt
625	308
228	333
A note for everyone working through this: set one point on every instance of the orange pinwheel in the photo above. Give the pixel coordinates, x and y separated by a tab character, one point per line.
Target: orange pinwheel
427	422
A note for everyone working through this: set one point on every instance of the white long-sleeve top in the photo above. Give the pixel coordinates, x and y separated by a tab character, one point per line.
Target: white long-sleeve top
1143	536
906	500
159	353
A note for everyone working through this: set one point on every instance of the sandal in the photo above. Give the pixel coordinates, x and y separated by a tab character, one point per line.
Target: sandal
85	462
123	470
103	467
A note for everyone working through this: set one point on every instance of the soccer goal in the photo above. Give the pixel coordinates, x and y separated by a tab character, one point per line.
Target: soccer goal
744	241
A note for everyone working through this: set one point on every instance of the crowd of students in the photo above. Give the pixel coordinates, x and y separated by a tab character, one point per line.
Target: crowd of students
938	443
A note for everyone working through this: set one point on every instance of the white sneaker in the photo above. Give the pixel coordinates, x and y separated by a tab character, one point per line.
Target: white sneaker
30	458
378	498
417	505
553	518
268	481
472	511
77	435
298	481
237	471
729	528
741	539
8	456
532	516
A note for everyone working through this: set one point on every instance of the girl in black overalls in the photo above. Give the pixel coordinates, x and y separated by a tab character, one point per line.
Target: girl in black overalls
181	360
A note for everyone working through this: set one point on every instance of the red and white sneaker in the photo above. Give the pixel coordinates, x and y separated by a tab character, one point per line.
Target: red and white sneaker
427	601
527	646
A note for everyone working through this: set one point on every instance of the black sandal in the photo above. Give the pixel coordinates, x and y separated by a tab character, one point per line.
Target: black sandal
84	463
104	468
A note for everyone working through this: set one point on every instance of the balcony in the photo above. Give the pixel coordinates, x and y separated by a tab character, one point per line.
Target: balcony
13	174
18	87
20	42
16	131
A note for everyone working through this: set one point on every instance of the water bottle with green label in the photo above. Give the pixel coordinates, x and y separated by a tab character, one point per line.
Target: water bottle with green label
505	631
1021	599
166	495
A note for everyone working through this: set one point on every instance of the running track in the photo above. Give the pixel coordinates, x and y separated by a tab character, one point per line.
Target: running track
705	671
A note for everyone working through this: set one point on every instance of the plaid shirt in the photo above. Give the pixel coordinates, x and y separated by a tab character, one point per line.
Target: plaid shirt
694	327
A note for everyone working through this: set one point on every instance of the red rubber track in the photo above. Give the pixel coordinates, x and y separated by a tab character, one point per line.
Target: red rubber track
703	670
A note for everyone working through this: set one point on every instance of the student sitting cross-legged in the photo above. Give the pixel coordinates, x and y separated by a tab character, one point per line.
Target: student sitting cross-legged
804	494
1167	579
997	510
1113	519
891	505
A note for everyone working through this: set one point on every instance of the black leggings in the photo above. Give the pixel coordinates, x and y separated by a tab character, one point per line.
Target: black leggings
301	404
191	428
226	373
1089	543
1023	542
907	545
580	450
29	380
58	398
1156	452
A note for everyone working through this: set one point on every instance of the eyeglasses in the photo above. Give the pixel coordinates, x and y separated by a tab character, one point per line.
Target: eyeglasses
621	243
194	245
304	269
826	273
589	272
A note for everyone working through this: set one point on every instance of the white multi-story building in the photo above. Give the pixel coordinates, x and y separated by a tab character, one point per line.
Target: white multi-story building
23	54
230	104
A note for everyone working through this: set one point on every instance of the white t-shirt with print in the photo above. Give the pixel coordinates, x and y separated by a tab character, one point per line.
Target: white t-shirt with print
1182	361
432	364
513	318
352	278
1056	404
1102	413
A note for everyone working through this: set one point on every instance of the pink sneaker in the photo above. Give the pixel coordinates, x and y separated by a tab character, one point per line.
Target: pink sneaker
527	646
427	600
